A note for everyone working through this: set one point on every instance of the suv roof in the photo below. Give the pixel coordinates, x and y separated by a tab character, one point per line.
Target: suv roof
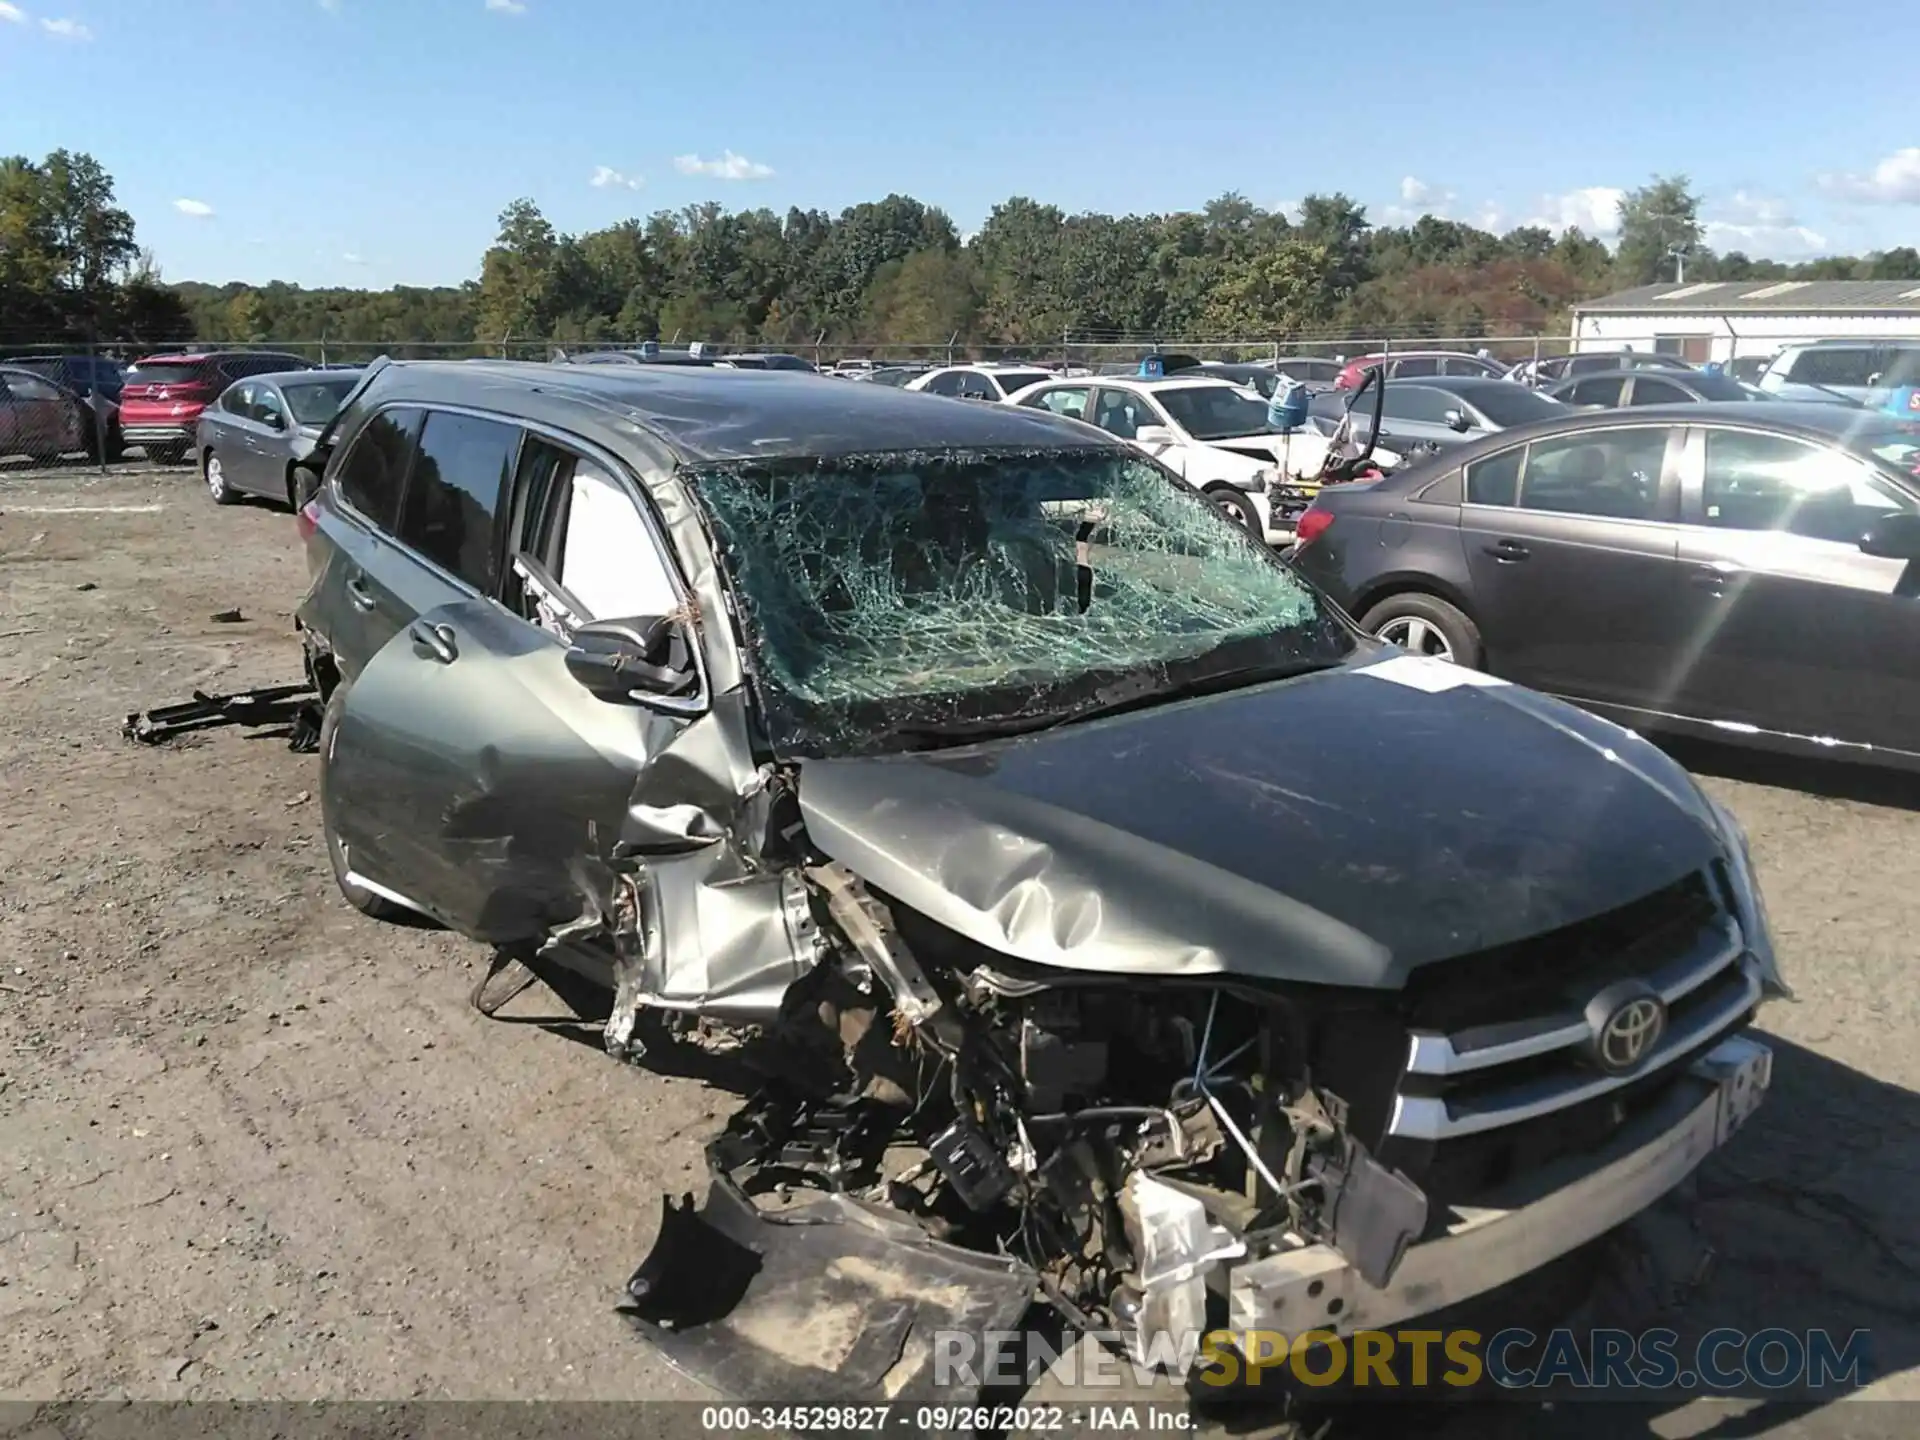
702	415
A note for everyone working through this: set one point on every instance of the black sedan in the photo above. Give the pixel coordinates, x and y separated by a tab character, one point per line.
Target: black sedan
251	440
1612	389
1744	572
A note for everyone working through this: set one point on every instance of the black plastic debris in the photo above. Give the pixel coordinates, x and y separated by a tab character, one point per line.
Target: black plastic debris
295	706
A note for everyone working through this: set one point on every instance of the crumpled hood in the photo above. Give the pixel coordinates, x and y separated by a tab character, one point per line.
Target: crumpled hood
1340	828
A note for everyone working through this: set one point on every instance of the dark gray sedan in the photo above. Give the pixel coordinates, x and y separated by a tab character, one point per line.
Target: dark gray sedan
1614	389
252	439
1742	572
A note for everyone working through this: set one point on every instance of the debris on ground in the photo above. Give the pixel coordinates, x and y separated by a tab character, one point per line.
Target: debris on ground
295	706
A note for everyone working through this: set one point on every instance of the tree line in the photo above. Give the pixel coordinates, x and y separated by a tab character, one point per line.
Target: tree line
894	270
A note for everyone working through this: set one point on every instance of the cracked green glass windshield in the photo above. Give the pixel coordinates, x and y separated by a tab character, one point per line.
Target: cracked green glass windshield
890	591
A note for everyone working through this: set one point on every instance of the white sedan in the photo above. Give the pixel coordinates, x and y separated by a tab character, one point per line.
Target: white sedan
978	382
1212	433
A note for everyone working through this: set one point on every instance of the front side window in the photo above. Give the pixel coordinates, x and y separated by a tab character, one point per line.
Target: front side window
238	400
1122	413
1417	365
889	600
1754	481
1419	403
1610	474
948	383
374	468
318	401
460	471
974	385
267	408
1070	401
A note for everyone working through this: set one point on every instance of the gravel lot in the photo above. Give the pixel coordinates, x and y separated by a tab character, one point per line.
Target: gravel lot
253	1146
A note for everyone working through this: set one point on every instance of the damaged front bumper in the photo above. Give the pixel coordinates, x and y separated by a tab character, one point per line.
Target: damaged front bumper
1539	1218
837	1301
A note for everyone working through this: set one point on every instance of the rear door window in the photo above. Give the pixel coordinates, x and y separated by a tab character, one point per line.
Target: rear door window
1416	365
947	384
1612	474
1755	481
1649	391
460	471
373	472
1603	390
1421	403
1496	479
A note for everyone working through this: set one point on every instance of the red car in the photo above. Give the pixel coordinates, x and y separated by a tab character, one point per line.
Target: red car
1406	364
163	395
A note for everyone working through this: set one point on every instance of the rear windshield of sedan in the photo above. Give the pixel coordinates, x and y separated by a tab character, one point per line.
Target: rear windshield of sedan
881	592
164	374
1012	380
316	402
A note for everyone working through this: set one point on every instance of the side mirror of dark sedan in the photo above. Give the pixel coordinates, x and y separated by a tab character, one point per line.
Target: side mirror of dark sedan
1893	537
1457	420
624	661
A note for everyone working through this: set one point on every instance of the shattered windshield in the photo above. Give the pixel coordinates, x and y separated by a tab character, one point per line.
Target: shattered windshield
889	601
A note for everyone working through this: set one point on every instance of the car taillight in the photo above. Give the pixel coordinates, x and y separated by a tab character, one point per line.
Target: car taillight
307	521
1312	524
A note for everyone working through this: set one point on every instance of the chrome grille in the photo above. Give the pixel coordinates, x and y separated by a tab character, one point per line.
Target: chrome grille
1477	1079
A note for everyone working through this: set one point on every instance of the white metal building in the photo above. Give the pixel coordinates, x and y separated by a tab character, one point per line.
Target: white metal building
1722	319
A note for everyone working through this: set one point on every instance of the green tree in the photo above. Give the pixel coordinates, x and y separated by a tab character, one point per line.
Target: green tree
1660	216
1274	292
516	276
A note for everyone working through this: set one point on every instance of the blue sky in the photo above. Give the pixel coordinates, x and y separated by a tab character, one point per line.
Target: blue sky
374	142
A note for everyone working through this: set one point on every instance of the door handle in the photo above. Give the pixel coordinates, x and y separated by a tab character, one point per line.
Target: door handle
1713	577
1507	551
434	642
358	595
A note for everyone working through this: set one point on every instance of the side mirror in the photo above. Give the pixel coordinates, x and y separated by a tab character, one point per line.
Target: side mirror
1457	420
1153	435
651	655
276	421
1893	537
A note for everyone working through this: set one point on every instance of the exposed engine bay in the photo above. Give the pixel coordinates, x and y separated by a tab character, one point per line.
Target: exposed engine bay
1104	1141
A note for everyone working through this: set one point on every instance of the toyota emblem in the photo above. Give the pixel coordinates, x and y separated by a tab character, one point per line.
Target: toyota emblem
1624	1023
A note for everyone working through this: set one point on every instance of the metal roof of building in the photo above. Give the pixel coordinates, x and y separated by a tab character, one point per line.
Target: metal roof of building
1772	297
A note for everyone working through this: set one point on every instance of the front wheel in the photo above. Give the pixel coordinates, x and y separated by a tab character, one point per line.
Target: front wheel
1426	625
1237	507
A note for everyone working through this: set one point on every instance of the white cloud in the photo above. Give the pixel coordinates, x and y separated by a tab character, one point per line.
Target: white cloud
1418	199
199	209
67	29
1894	181
13	13
353	259
506	7
728	167
1593	209
605	177
1761	225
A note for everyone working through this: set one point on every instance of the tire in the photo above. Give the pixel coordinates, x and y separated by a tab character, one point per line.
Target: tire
1235	505
374	907
116	444
1427	625
215	474
302	485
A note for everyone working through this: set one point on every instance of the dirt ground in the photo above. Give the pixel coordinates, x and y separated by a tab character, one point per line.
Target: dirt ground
254	1146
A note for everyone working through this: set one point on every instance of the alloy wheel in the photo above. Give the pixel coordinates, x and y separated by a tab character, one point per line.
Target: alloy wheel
1418	635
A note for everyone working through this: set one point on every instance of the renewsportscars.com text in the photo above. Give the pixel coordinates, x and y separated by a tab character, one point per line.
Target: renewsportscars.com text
1723	1361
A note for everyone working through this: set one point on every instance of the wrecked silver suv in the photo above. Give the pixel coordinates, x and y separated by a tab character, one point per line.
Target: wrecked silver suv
1123	936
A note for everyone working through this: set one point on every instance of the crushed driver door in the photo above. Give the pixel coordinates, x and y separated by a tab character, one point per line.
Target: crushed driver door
469	773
